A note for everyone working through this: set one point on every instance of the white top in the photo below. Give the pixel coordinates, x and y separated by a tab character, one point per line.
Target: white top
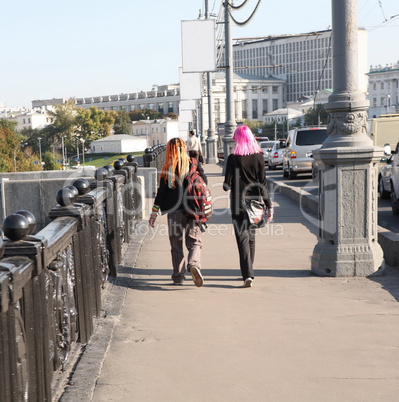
193	144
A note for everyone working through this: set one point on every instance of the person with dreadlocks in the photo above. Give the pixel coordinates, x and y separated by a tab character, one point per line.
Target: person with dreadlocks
170	200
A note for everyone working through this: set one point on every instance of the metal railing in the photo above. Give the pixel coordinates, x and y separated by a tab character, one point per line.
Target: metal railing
51	283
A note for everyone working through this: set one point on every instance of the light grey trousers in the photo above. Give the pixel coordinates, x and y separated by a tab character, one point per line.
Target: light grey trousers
180	226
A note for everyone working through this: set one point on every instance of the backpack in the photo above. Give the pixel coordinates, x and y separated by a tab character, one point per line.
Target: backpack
198	200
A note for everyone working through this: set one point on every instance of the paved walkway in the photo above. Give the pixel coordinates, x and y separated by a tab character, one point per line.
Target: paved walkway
291	337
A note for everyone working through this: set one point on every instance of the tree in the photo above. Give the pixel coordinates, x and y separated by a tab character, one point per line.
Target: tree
93	123
146	114
123	124
50	161
12	155
316	115
64	120
137	114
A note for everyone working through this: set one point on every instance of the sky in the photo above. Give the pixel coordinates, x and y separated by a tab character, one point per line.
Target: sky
82	48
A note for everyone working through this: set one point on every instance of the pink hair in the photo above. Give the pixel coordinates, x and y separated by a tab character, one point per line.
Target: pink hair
246	143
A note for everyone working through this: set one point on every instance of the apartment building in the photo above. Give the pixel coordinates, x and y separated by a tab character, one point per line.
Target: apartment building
383	91
164	99
254	97
32	119
303	61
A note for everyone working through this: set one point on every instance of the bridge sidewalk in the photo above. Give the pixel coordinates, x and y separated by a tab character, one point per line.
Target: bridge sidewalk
291	337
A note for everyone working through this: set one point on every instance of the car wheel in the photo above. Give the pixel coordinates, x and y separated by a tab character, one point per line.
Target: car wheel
384	194
274	167
291	174
285	172
394	202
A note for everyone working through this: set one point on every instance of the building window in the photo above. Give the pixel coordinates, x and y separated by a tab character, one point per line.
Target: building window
374	102
382	85
244	109
254	109
274	90
170	107
264	106
375	86
275	104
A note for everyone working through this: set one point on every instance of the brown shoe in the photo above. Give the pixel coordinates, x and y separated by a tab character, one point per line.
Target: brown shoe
197	277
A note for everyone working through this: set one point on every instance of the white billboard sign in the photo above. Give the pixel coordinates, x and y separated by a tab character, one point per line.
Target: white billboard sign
198	45
190	85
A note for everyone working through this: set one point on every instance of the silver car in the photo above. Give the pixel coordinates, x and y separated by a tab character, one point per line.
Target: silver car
384	178
266	147
275	156
301	142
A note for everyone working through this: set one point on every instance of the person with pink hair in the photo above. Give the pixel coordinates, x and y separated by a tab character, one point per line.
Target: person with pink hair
245	177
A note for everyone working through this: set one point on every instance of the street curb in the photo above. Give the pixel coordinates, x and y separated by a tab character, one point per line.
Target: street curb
388	240
82	382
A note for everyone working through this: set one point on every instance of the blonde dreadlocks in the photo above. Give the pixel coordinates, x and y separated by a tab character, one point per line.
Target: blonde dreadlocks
176	164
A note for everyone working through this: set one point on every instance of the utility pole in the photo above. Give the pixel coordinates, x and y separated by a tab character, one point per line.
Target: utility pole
348	238
229	64
40	152
211	140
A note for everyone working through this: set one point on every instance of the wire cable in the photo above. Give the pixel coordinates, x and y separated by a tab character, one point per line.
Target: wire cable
249	18
322	71
238	7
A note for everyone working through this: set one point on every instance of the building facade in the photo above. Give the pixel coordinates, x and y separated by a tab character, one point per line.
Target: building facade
164	99
31	119
254	97
157	131
383	92
304	61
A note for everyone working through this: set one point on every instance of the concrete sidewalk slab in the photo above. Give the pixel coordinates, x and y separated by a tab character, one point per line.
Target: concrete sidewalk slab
291	337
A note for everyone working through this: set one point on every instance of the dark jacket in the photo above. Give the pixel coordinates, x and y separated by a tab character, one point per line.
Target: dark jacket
171	199
245	176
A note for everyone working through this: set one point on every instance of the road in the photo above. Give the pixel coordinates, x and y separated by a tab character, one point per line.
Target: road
386	218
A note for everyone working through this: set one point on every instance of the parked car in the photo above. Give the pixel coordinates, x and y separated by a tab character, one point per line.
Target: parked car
266	147
384	177
394	181
275	156
301	142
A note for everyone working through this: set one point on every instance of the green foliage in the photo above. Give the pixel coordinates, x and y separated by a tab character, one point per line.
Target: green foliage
50	161
145	114
13	154
11	125
316	115
123	124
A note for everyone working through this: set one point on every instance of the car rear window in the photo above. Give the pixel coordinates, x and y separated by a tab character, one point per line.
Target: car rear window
266	145
311	137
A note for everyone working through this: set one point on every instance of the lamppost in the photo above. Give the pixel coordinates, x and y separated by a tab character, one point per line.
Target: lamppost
40	152
82	140
388	102
63	153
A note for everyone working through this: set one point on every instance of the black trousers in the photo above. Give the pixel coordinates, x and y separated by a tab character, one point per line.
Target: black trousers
245	237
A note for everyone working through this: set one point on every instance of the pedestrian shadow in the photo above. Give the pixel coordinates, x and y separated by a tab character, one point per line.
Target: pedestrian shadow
389	281
149	279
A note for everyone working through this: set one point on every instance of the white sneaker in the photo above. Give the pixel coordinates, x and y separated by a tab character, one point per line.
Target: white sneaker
248	283
197	277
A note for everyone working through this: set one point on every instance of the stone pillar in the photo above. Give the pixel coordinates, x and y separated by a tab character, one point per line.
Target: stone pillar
347	240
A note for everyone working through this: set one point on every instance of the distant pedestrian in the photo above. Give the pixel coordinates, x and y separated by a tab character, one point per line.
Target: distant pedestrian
245	176
194	146
170	199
